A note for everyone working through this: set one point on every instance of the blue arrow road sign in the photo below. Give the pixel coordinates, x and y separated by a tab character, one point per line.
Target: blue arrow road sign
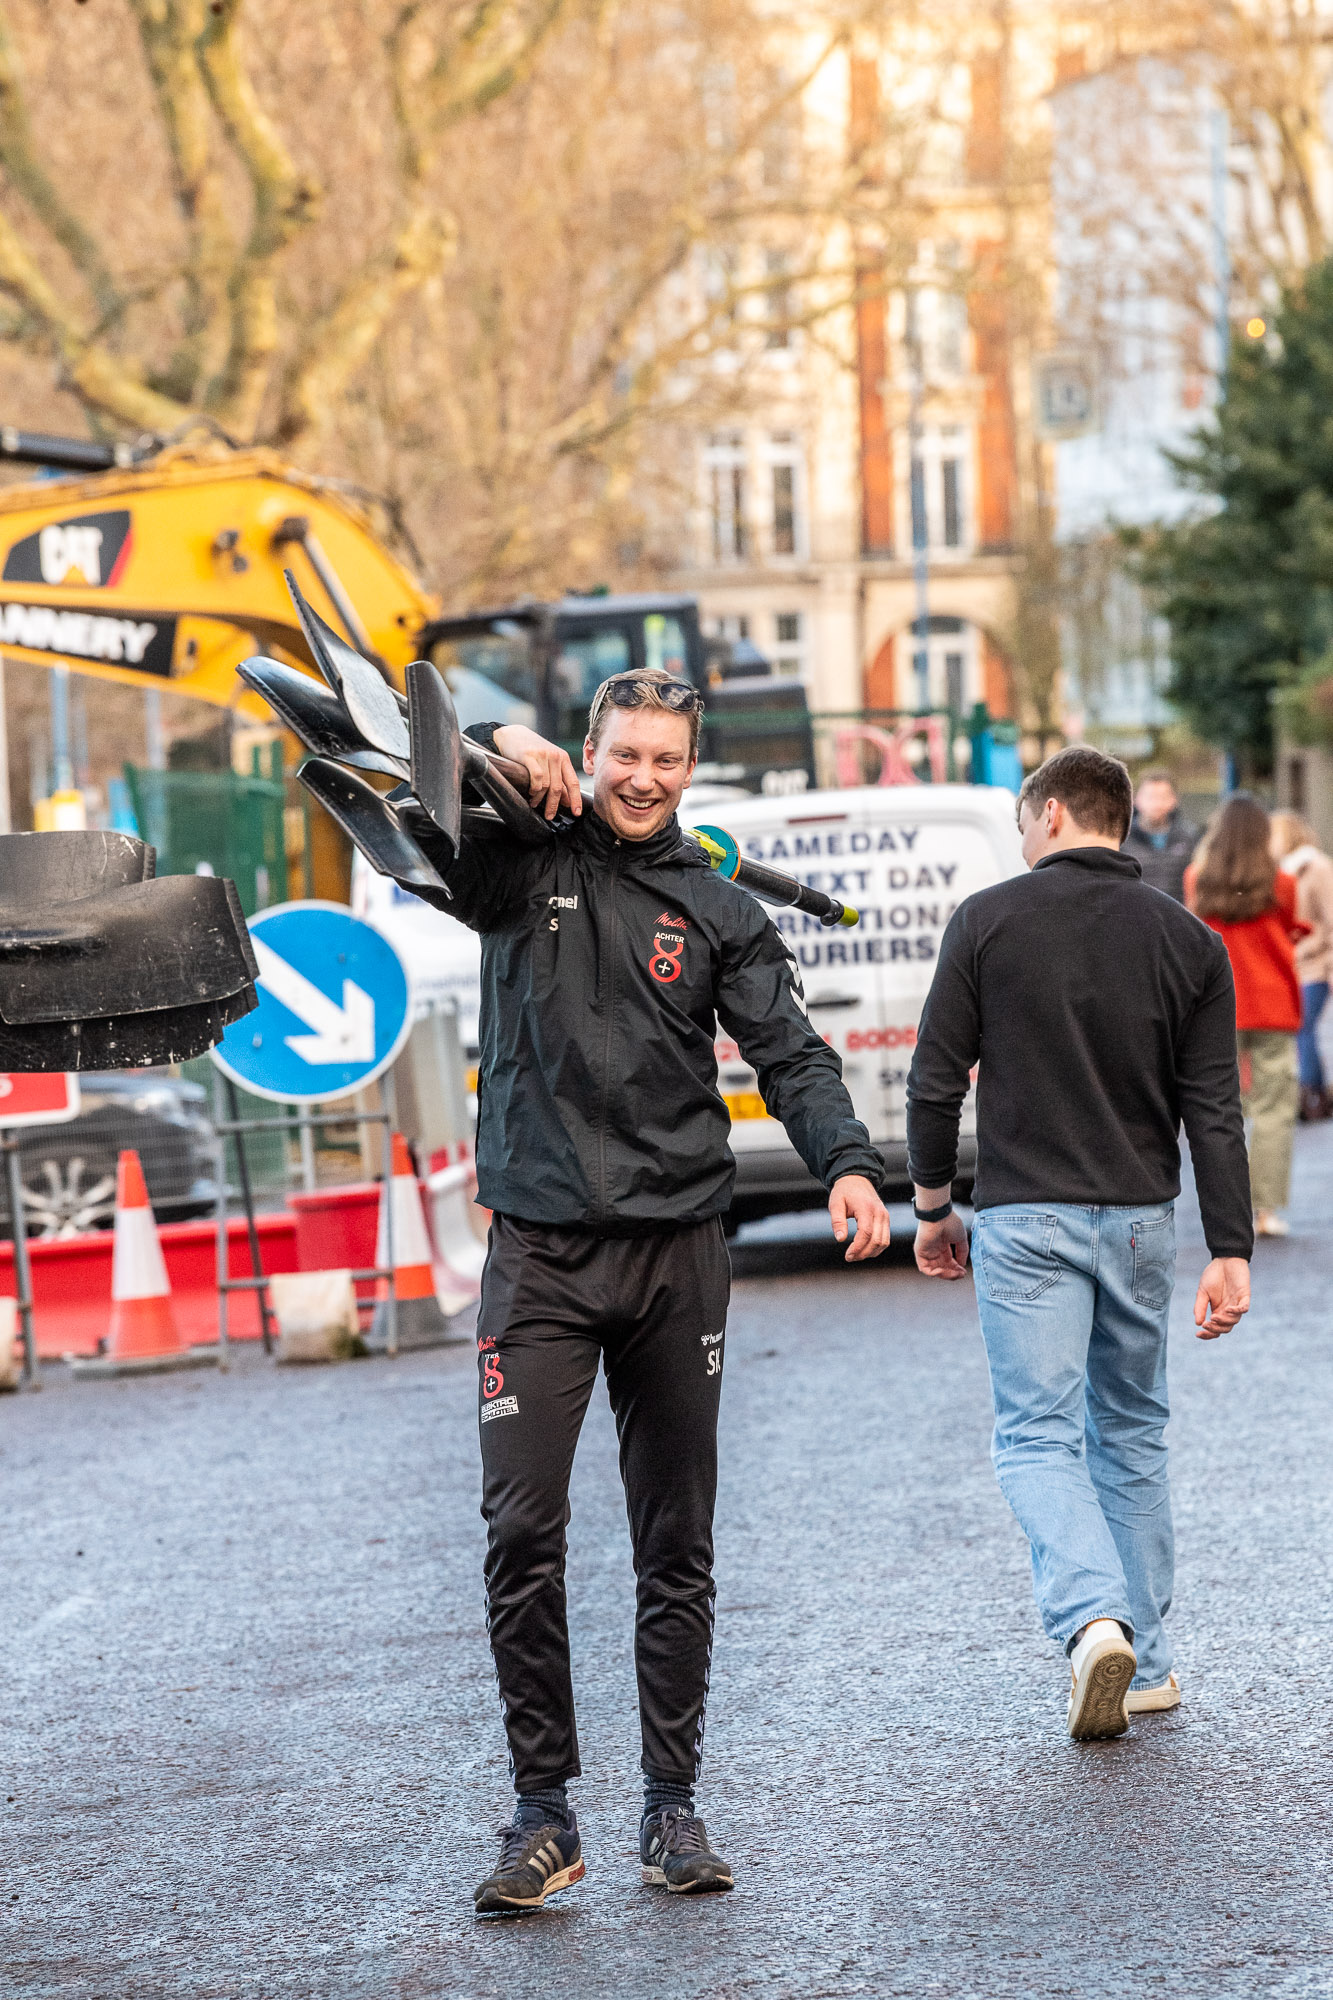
335	1006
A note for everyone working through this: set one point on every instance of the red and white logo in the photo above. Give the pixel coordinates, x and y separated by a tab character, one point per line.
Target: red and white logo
665	961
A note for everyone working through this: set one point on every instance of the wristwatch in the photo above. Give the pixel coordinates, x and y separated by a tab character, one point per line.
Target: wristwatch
932	1214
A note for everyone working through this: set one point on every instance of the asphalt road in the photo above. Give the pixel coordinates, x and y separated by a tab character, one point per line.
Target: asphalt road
251	1742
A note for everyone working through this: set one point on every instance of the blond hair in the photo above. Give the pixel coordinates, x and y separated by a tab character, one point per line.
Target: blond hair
649	679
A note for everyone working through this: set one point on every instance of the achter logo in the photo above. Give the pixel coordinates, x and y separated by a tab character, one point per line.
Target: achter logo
87	552
668	944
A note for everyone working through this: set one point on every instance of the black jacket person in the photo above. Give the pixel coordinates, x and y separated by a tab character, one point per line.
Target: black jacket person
610	955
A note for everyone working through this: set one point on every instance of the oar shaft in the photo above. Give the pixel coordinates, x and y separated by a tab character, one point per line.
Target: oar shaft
775	887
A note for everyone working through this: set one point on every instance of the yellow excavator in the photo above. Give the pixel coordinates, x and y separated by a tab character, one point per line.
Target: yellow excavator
161	565
166	568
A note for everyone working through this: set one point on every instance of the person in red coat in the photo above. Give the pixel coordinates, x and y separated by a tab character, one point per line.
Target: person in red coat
1236	887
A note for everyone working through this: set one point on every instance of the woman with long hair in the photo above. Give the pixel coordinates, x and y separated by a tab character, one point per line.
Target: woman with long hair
1298	854
1235	885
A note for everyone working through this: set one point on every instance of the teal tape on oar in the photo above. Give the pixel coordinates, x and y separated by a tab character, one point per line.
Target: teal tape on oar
725	856
728	860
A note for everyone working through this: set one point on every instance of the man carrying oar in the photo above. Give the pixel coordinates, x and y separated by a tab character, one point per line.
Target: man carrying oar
609	956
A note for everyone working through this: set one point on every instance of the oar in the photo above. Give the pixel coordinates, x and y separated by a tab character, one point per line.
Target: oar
314	712
437	749
372	704
442	758
370	823
774	887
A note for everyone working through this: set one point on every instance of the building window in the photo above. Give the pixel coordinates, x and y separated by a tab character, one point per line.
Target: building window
725	464
920	531
951	658
784	510
784	459
788	653
950	332
939	501
777	300
949	493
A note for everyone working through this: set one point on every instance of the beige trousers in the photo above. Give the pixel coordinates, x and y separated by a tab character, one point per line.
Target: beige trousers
1267	1058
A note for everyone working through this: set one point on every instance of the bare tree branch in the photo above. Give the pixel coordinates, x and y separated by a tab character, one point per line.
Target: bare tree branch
169	31
285	201
93	374
27	174
338	343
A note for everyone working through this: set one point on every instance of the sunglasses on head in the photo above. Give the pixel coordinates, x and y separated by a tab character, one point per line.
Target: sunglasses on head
678	696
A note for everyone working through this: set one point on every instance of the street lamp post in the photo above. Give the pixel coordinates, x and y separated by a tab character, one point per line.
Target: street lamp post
917	487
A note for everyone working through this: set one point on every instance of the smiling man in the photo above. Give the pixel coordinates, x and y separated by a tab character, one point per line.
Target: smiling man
610	954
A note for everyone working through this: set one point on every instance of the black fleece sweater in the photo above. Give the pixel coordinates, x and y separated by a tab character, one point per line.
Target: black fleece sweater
1102	1014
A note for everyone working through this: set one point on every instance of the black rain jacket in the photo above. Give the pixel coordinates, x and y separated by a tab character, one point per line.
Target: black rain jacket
606	966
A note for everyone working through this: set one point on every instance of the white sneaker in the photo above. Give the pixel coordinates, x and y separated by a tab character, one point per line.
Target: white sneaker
1102	1666
1268	1223
1147	1701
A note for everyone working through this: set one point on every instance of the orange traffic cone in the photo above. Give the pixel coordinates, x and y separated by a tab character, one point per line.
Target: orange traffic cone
421	1322
143	1336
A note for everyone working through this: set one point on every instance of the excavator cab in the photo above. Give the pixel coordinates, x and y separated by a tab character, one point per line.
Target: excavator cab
542	663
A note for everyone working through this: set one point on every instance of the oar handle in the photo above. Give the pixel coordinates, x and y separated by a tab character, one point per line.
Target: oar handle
517	774
770	883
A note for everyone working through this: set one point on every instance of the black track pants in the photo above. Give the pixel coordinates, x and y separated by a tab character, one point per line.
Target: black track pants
555	1302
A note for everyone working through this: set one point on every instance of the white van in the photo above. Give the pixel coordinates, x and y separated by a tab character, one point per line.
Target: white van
905	856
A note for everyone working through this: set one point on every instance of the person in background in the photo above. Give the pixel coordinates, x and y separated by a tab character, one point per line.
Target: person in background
1160	838
1299	855
1237	888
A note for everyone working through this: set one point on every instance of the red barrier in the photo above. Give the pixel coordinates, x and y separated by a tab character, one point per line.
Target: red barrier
71	1281
335	1230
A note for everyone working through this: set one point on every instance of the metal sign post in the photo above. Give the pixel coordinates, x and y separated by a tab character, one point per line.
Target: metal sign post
29	1099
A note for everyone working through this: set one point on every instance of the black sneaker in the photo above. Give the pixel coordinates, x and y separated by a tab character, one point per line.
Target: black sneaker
534	1862
674	1851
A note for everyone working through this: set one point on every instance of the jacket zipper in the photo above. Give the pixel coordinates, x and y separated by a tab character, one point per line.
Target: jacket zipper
610	1024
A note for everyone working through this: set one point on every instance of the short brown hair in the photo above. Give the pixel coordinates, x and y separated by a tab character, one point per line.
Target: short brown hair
643	677
1157	774
1093	788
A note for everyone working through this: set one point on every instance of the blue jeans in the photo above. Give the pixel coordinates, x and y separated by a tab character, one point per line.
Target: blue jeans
1313	997
1074	1304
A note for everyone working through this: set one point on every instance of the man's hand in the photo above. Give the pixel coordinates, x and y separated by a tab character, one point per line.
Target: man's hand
552	779
940	1247
1223	1296
853	1196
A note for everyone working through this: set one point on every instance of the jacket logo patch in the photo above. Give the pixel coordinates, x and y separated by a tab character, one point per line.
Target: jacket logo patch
668	945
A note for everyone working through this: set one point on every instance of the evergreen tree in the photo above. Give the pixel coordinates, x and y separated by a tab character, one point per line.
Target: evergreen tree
1248	587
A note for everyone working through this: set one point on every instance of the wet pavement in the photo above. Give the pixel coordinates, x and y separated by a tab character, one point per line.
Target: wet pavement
251	1745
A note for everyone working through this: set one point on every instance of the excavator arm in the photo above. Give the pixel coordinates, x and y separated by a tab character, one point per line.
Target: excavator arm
165	569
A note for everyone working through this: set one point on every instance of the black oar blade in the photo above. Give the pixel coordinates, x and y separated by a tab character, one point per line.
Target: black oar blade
437	751
314	713
371	824
372	704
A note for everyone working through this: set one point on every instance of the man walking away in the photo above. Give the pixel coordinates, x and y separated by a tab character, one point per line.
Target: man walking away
1101	1014
1160	838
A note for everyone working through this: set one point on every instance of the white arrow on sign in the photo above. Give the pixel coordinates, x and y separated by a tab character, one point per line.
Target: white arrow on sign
343	1034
